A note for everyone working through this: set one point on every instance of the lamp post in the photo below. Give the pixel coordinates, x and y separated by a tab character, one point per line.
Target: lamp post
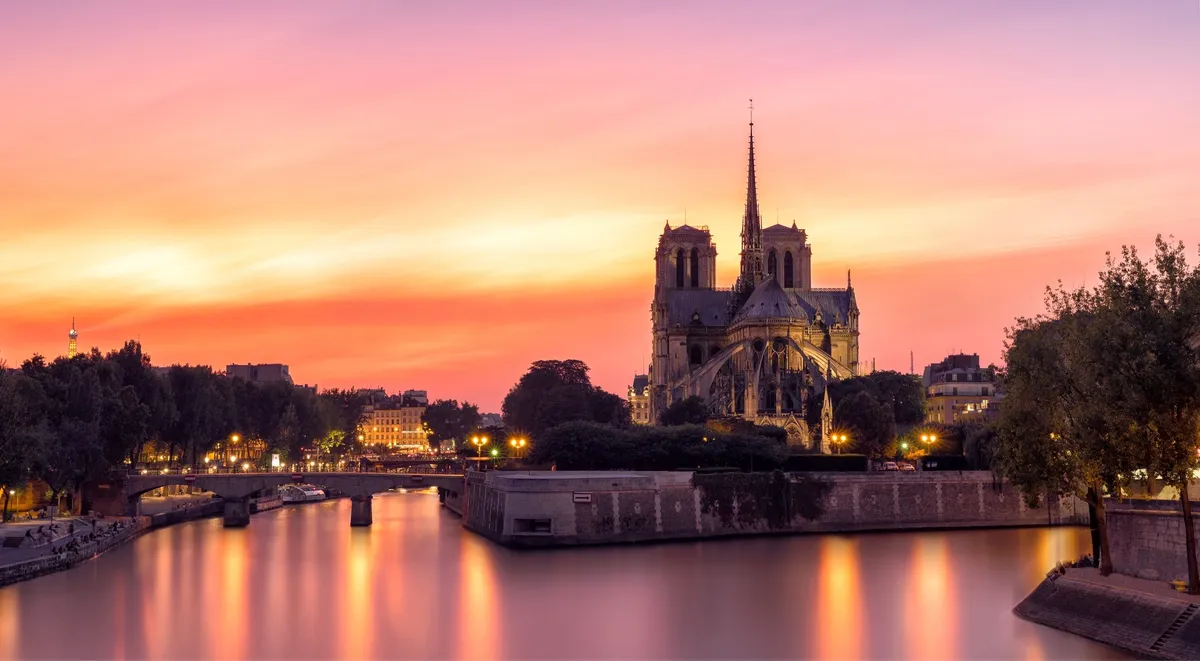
8	496
518	445
479	442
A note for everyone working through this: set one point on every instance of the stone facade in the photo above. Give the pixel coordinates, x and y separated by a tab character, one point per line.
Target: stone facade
568	508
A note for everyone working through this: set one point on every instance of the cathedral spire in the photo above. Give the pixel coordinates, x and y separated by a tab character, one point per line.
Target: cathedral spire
752	254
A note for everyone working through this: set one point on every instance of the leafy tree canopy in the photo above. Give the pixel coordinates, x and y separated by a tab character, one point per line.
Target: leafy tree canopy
686	411
554	392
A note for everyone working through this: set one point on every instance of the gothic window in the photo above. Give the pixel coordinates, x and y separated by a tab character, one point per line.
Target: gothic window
679	266
695	267
771	263
695	354
787	269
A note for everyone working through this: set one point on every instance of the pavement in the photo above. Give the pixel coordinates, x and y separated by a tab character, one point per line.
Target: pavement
1145	585
49	535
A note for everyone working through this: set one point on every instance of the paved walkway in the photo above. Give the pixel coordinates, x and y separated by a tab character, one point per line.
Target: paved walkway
1156	588
47	535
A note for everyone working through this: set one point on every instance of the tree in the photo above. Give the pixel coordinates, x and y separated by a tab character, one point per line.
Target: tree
1153	311
686	411
553	392
869	422
447	420
1106	384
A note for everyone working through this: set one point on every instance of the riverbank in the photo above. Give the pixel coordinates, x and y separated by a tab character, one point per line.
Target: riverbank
568	508
90	537
1144	617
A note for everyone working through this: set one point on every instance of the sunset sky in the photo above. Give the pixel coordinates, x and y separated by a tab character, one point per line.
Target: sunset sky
433	195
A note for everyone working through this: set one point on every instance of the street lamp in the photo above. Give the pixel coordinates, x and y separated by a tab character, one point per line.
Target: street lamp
929	438
518	445
8	497
838	441
479	442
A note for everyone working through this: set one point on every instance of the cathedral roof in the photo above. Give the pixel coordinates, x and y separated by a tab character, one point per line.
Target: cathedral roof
709	306
770	301
833	304
687	230
783	230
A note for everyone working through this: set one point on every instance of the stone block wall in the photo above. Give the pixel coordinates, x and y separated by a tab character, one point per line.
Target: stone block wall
567	508
1148	544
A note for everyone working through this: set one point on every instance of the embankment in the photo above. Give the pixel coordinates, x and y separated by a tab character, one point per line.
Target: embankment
548	508
54	562
1149	625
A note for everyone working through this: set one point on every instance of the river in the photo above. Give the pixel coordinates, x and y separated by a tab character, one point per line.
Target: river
299	583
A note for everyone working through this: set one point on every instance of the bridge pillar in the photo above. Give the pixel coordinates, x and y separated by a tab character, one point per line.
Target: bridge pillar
237	512
360	510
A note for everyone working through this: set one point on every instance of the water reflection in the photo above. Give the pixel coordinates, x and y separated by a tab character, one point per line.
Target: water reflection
359	598
478	615
839	606
931	614
231	636
299	583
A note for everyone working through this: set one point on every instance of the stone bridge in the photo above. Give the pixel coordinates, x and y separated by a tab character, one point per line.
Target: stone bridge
120	497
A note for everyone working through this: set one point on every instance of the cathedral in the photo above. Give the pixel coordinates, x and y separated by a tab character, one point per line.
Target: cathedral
760	349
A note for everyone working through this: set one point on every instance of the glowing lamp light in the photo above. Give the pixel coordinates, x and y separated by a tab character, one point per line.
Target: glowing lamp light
246	466
495	452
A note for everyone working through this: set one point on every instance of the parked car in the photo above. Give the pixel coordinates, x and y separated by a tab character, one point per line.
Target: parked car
908	467
890	466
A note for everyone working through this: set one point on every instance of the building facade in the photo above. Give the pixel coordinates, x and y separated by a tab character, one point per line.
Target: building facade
639	399
957	389
264	373
395	427
760	349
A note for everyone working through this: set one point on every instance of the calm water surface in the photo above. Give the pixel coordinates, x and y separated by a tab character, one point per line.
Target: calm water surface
300	583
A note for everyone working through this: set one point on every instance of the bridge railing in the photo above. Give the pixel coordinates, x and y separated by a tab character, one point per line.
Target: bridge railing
423	468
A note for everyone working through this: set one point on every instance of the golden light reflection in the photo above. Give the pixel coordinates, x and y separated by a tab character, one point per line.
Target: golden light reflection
162	550
359	599
278	583
839	600
10	623
231	639
931	610
478	617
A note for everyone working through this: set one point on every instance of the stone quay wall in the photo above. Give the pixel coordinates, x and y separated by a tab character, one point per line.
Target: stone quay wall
1148	543
570	508
23	571
1150	626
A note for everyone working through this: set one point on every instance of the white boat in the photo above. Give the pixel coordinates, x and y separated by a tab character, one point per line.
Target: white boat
301	493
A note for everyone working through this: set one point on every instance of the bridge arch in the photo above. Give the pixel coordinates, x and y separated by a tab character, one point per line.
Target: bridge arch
237	488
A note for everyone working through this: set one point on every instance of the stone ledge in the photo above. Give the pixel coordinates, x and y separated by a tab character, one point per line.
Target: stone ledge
1128	619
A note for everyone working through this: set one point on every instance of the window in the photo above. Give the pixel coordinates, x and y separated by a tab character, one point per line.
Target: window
695	267
531	526
787	269
679	266
985	391
771	265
